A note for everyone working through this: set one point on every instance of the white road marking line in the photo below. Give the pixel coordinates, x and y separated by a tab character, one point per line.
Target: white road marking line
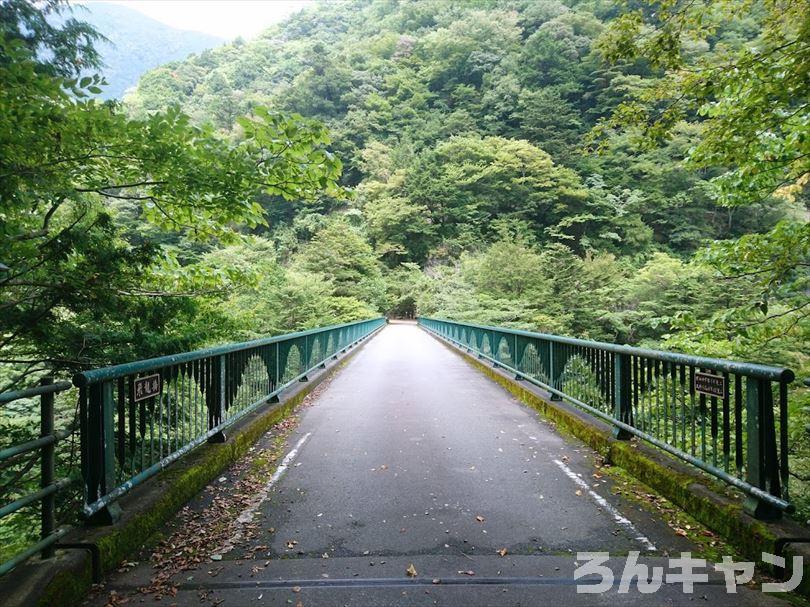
621	520
248	513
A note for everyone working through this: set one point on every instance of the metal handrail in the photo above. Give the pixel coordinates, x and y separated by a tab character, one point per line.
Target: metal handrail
49	487
718	364
7	397
112	430
86	378
727	430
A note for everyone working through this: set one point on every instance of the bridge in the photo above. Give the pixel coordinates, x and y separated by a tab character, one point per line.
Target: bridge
402	464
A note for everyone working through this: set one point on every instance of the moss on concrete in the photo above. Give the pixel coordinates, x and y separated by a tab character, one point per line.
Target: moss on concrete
711	544
183	482
67	586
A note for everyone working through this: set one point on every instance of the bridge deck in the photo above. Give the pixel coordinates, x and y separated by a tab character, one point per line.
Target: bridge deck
410	456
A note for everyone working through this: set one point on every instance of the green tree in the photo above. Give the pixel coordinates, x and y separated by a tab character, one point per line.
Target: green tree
79	289
748	92
467	181
343	256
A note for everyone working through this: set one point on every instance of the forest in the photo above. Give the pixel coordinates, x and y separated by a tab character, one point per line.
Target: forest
631	172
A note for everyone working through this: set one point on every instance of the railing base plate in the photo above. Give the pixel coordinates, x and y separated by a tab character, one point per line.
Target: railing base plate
761	510
621	434
108	515
218	438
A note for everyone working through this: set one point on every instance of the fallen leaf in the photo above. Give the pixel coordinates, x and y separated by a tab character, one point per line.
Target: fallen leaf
502	551
480	518
578	492
411	570
291	543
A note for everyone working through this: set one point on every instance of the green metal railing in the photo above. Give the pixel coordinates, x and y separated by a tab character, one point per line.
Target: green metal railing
727	418
137	418
44	447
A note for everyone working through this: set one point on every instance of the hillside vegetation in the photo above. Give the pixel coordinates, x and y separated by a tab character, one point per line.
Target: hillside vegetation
467	134
583	168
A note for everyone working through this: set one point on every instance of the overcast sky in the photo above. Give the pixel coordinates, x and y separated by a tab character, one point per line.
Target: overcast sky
224	18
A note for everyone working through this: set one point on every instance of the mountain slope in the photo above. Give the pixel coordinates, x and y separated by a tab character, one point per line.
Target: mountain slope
137	43
396	82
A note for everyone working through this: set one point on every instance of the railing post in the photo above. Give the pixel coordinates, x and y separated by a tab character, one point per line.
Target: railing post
101	451
47	466
217	400
553	371
762	464
307	350
622	392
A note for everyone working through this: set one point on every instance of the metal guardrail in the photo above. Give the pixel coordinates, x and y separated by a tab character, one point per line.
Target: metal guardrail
138	417
49	486
727	418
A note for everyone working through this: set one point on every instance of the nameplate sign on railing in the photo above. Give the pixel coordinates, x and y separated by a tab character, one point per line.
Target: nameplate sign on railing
710	385
146	387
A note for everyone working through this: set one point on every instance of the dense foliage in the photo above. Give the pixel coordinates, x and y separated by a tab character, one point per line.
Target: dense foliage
633	173
106	220
467	124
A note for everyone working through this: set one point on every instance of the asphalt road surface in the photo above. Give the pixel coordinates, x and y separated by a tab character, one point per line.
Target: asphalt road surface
411	458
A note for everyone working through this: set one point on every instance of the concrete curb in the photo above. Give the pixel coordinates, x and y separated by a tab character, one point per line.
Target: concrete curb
708	501
65	579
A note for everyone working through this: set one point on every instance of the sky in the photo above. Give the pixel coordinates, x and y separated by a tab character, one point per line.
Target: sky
224	18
